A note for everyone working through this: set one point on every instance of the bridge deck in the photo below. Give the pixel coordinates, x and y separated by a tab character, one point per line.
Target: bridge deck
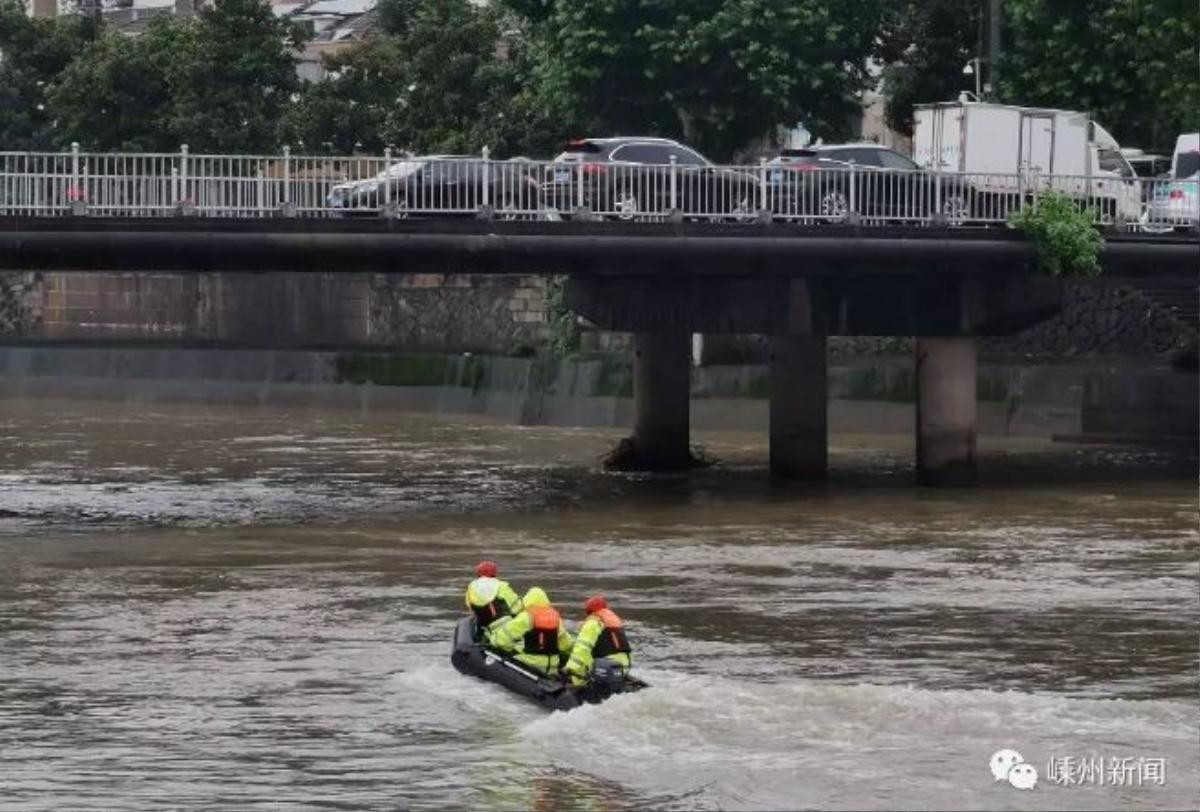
332	245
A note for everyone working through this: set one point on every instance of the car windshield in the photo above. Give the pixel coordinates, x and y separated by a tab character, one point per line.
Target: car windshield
894	160
1113	161
1187	165
402	169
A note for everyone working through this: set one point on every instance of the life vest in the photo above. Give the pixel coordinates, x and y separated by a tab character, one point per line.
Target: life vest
543	637
496	608
612	637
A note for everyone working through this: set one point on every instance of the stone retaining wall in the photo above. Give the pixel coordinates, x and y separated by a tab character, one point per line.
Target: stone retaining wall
415	312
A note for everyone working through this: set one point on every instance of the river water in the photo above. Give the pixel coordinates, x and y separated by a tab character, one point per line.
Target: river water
218	608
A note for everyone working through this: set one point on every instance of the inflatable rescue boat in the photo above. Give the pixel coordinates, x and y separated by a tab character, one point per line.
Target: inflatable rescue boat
471	657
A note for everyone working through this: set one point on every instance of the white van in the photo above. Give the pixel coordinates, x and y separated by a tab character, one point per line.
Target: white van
1185	163
1175	203
1008	152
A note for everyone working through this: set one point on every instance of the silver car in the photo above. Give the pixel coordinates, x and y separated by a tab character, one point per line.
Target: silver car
1175	203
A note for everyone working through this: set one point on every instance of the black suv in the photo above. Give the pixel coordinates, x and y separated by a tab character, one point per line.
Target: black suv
831	183
635	178
443	185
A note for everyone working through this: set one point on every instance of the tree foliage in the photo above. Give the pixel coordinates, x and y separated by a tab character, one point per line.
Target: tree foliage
716	73
117	94
520	75
1063	234
218	82
32	54
233	78
441	77
924	45
1131	63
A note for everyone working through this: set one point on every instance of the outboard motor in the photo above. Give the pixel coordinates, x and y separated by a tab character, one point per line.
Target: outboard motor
607	679
465	646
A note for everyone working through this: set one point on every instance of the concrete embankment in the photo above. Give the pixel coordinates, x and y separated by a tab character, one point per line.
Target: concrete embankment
1120	398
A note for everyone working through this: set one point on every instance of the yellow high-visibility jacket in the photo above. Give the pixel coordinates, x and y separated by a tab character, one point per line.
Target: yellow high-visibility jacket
519	636
601	635
493	602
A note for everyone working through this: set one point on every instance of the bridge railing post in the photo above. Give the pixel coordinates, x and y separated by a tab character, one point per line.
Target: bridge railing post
287	208
579	185
939	217
764	208
387	183
183	203
76	198
1020	187
485	191
852	200
673	188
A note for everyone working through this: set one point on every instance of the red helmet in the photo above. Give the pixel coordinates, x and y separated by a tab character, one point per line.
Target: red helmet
595	604
486	569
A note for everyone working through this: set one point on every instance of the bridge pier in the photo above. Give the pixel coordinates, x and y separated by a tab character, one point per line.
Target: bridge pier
799	447
662	361
945	411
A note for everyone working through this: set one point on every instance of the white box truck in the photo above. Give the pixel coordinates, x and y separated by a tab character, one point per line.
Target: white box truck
1009	152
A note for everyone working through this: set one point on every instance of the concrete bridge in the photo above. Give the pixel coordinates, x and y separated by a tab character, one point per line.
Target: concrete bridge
662	282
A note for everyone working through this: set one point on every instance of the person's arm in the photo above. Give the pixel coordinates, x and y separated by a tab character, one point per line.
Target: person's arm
564	640
505	638
581	653
512	599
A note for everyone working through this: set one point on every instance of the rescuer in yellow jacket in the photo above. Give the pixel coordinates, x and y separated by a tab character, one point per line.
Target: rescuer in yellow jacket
602	636
492	601
536	636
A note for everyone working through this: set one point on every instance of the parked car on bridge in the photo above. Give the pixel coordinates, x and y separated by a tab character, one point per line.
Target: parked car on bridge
443	185
1175	203
634	177
828	183
1010	153
1148	168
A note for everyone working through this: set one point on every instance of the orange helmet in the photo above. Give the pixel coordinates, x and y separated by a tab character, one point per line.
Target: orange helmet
486	569
595	604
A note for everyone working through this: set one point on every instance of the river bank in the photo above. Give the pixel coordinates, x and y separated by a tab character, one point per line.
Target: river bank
1096	398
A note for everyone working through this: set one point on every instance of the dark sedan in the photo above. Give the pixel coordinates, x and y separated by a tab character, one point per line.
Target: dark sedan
443	185
832	183
637	178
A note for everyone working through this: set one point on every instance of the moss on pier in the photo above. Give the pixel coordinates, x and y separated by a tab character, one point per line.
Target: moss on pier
394	370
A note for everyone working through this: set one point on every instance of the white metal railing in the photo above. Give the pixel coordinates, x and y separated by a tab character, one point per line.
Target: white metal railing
182	183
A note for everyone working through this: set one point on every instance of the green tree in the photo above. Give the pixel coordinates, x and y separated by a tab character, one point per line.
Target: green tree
441	77
232	78
32	54
117	94
923	46
348	111
716	73
1131	63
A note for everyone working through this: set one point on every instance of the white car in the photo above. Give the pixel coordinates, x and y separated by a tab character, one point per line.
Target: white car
1175	203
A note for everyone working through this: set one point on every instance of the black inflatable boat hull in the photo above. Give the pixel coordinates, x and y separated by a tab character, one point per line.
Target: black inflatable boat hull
476	660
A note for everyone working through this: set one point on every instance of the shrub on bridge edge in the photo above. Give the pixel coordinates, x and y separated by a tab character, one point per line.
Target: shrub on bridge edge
1063	234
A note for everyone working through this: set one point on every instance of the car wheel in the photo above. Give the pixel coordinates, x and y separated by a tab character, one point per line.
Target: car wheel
743	211
834	207
626	205
509	210
956	208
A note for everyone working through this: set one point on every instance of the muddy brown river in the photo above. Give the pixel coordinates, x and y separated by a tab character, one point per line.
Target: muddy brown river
220	608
